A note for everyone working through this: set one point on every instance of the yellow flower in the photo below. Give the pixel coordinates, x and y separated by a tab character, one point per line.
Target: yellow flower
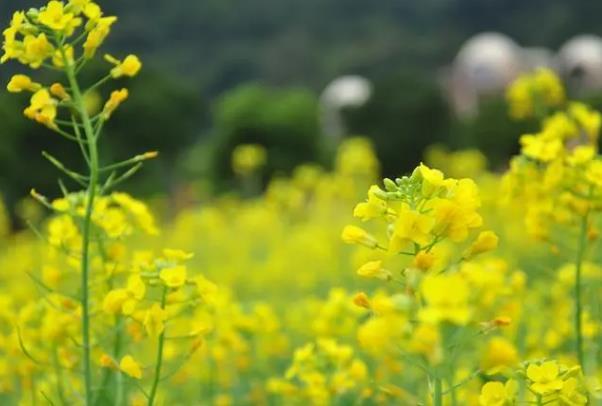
411	227
548	84
498	394
56	89
589	119
97	35
424	260
19	83
499	353
357	235
426	340
486	241
130	367
544	377
361	300
374	269
373	208
117	97
173	277
154	320
248	158
130	66
42	108
433	179
36	49
582	154
106	361
571	394
136	287
593	173
446	296
177	255
114	300
55	18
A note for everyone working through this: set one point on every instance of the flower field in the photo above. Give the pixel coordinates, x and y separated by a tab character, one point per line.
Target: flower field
449	285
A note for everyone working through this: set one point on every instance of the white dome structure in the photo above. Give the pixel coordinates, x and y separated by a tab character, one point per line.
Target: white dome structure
485	64
345	91
579	61
488	61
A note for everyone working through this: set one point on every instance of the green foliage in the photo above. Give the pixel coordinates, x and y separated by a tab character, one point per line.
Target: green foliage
406	114
285	121
491	131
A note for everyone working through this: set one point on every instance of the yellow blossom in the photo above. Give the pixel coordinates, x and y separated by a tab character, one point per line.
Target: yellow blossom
54	17
19	83
173	277
545	377
42	108
411	227
374	269
117	97
486	241
130	67
130	367
357	235
154	320
498	394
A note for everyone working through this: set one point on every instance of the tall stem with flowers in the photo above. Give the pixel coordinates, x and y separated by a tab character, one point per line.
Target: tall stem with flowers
88	226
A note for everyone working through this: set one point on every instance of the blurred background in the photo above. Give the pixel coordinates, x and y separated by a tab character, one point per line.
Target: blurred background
298	76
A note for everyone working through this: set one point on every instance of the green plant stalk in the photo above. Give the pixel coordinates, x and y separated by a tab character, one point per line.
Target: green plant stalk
87	224
159	361
438	392
578	293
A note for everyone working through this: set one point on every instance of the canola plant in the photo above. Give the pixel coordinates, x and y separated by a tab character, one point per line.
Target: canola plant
448	286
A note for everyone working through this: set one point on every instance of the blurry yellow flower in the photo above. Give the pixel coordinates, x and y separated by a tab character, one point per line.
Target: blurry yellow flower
361	300
130	367
154	320
593	173
581	154
374	269
426	340
357	235
411	227
424	260
19	83
571	393
36	49
373	208
117	97
42	108
173	277
589	119
114	300
499	353
248	158
107	362
498	394
486	241
54	17
539	148
57	90
544	377
446	296
130	66
177	255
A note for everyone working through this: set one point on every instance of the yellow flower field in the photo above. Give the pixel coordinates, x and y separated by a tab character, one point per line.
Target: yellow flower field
449	285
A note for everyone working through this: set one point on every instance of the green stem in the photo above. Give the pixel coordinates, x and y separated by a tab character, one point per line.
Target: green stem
159	361
438	392
578	298
87	224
